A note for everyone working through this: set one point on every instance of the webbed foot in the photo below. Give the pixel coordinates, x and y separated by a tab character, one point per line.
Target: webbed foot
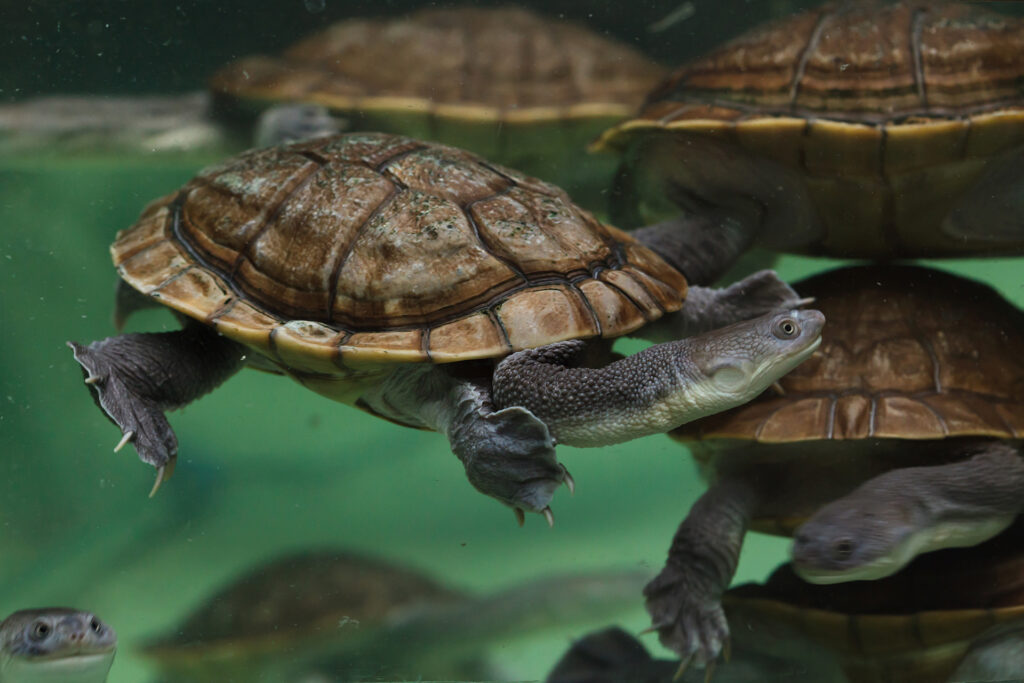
760	293
688	618
114	383
135	378
510	455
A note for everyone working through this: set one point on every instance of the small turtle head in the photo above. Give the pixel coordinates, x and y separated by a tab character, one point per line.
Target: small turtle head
58	638
740	361
846	541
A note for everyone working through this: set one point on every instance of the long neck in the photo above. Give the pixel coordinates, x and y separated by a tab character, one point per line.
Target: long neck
83	669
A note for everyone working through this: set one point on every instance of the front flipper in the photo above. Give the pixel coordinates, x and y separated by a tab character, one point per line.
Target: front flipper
134	378
685	599
700	246
508	454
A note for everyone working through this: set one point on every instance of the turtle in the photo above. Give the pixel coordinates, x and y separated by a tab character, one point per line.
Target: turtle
55	645
857	130
953	616
334	614
431	288
914	402
514	86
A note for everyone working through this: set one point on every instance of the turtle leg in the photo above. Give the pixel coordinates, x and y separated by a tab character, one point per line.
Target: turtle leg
134	378
707	308
685	599
887	521
508	454
702	246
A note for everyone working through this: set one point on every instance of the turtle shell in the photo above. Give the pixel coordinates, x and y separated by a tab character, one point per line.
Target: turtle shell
880	118
915	626
296	606
908	353
492	64
365	250
516	87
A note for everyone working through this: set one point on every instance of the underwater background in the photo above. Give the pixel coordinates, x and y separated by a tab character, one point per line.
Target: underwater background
265	466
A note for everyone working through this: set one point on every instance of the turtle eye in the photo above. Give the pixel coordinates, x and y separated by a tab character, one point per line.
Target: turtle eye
843	548
95	625
786	328
40	630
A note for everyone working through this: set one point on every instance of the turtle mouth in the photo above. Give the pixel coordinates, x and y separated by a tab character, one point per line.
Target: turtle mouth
878	569
78	656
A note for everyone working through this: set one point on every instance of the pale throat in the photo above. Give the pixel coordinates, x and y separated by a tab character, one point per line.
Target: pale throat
84	668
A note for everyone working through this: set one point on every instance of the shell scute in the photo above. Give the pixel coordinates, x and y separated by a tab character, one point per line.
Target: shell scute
417	255
542	316
307	346
478	331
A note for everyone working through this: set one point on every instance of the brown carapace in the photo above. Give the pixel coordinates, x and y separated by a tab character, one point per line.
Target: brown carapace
340	255
502	64
890	120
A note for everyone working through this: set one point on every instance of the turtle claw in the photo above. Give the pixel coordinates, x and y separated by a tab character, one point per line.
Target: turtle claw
92	380
549	516
683	666
570	483
710	671
520	516
124	440
159	480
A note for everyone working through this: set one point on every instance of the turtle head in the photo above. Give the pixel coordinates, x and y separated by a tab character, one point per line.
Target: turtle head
56	644
738	362
848	541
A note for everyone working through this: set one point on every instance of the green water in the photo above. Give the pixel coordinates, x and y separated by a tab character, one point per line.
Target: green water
265	466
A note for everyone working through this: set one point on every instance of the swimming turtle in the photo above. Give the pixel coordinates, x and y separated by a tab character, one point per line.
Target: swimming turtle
858	129
55	645
336	615
394	274
913	401
953	616
507	83
521	88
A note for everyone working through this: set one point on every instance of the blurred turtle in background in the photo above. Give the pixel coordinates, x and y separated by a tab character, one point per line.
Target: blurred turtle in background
914	402
520	88
55	645
953	616
338	616
433	289
857	130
